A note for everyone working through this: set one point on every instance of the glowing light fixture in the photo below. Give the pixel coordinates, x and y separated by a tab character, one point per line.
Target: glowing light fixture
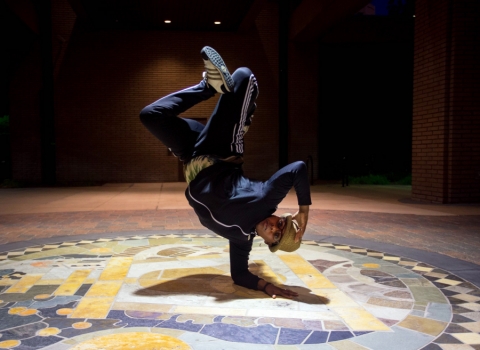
217	22
168	21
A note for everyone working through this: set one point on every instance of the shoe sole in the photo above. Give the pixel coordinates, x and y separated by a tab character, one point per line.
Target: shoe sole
214	57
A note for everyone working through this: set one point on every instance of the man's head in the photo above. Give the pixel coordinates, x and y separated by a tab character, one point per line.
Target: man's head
278	232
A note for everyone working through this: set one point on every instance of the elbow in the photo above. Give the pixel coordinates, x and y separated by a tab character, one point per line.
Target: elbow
146	114
236	279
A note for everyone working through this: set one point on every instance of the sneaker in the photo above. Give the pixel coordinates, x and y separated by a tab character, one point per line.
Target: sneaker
216	74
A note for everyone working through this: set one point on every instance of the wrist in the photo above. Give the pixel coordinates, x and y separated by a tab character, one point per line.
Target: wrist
303	208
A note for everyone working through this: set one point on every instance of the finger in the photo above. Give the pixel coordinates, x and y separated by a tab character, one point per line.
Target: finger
291	292
288	294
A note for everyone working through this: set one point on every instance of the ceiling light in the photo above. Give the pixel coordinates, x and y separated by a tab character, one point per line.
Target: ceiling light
168	21
217	22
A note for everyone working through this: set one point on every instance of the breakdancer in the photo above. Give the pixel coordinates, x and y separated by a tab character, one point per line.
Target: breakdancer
227	202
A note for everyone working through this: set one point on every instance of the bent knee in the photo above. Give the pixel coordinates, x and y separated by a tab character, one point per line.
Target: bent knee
150	113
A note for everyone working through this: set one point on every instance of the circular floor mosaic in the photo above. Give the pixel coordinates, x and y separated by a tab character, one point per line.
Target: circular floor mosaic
175	292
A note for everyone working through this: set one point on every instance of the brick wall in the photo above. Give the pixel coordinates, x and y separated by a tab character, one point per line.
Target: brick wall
107	77
104	78
446	131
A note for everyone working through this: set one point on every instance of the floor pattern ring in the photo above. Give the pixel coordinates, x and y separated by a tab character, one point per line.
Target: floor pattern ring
174	291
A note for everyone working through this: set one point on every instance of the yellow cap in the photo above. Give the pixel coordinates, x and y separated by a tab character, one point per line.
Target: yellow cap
287	242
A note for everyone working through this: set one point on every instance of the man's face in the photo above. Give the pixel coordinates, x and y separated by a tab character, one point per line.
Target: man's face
271	229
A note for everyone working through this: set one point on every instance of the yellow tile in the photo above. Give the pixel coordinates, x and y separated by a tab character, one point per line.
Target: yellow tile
468	338
346	345
149	341
316	281
146	283
447	281
467	297
306	272
92	308
116	269
131	280
336	298
297	264
264	271
359	319
471	306
104	288
421	268
9	344
343	247
471	326
7	282
50	282
73	282
391	258
24	284
424	325
371	266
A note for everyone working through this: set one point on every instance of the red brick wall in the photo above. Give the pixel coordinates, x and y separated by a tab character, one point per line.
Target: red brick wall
108	77
446	133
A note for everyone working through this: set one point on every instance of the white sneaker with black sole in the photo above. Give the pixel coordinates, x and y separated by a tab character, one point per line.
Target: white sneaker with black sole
216	73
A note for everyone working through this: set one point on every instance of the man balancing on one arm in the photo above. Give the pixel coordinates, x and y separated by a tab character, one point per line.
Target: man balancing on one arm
225	201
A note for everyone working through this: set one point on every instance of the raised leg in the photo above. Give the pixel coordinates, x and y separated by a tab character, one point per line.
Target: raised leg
178	134
223	134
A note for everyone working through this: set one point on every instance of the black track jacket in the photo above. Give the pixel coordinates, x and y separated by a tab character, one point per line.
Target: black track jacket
230	205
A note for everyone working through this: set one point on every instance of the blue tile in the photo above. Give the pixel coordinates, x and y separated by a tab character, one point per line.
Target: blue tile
60	303
62	322
184	326
317	337
440	312
218	319
40	342
83	290
22	332
292	336
263	334
10	321
398	339
357	334
339	335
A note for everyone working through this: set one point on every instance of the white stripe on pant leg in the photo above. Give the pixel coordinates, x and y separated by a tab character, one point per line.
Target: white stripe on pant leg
243	115
233	137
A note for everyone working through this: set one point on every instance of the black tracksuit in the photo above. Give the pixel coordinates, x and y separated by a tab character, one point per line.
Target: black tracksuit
225	201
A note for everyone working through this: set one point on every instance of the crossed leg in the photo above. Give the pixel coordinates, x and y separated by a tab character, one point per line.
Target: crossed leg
223	134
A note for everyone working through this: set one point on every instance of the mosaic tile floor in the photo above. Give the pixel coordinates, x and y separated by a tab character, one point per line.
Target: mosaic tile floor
174	292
